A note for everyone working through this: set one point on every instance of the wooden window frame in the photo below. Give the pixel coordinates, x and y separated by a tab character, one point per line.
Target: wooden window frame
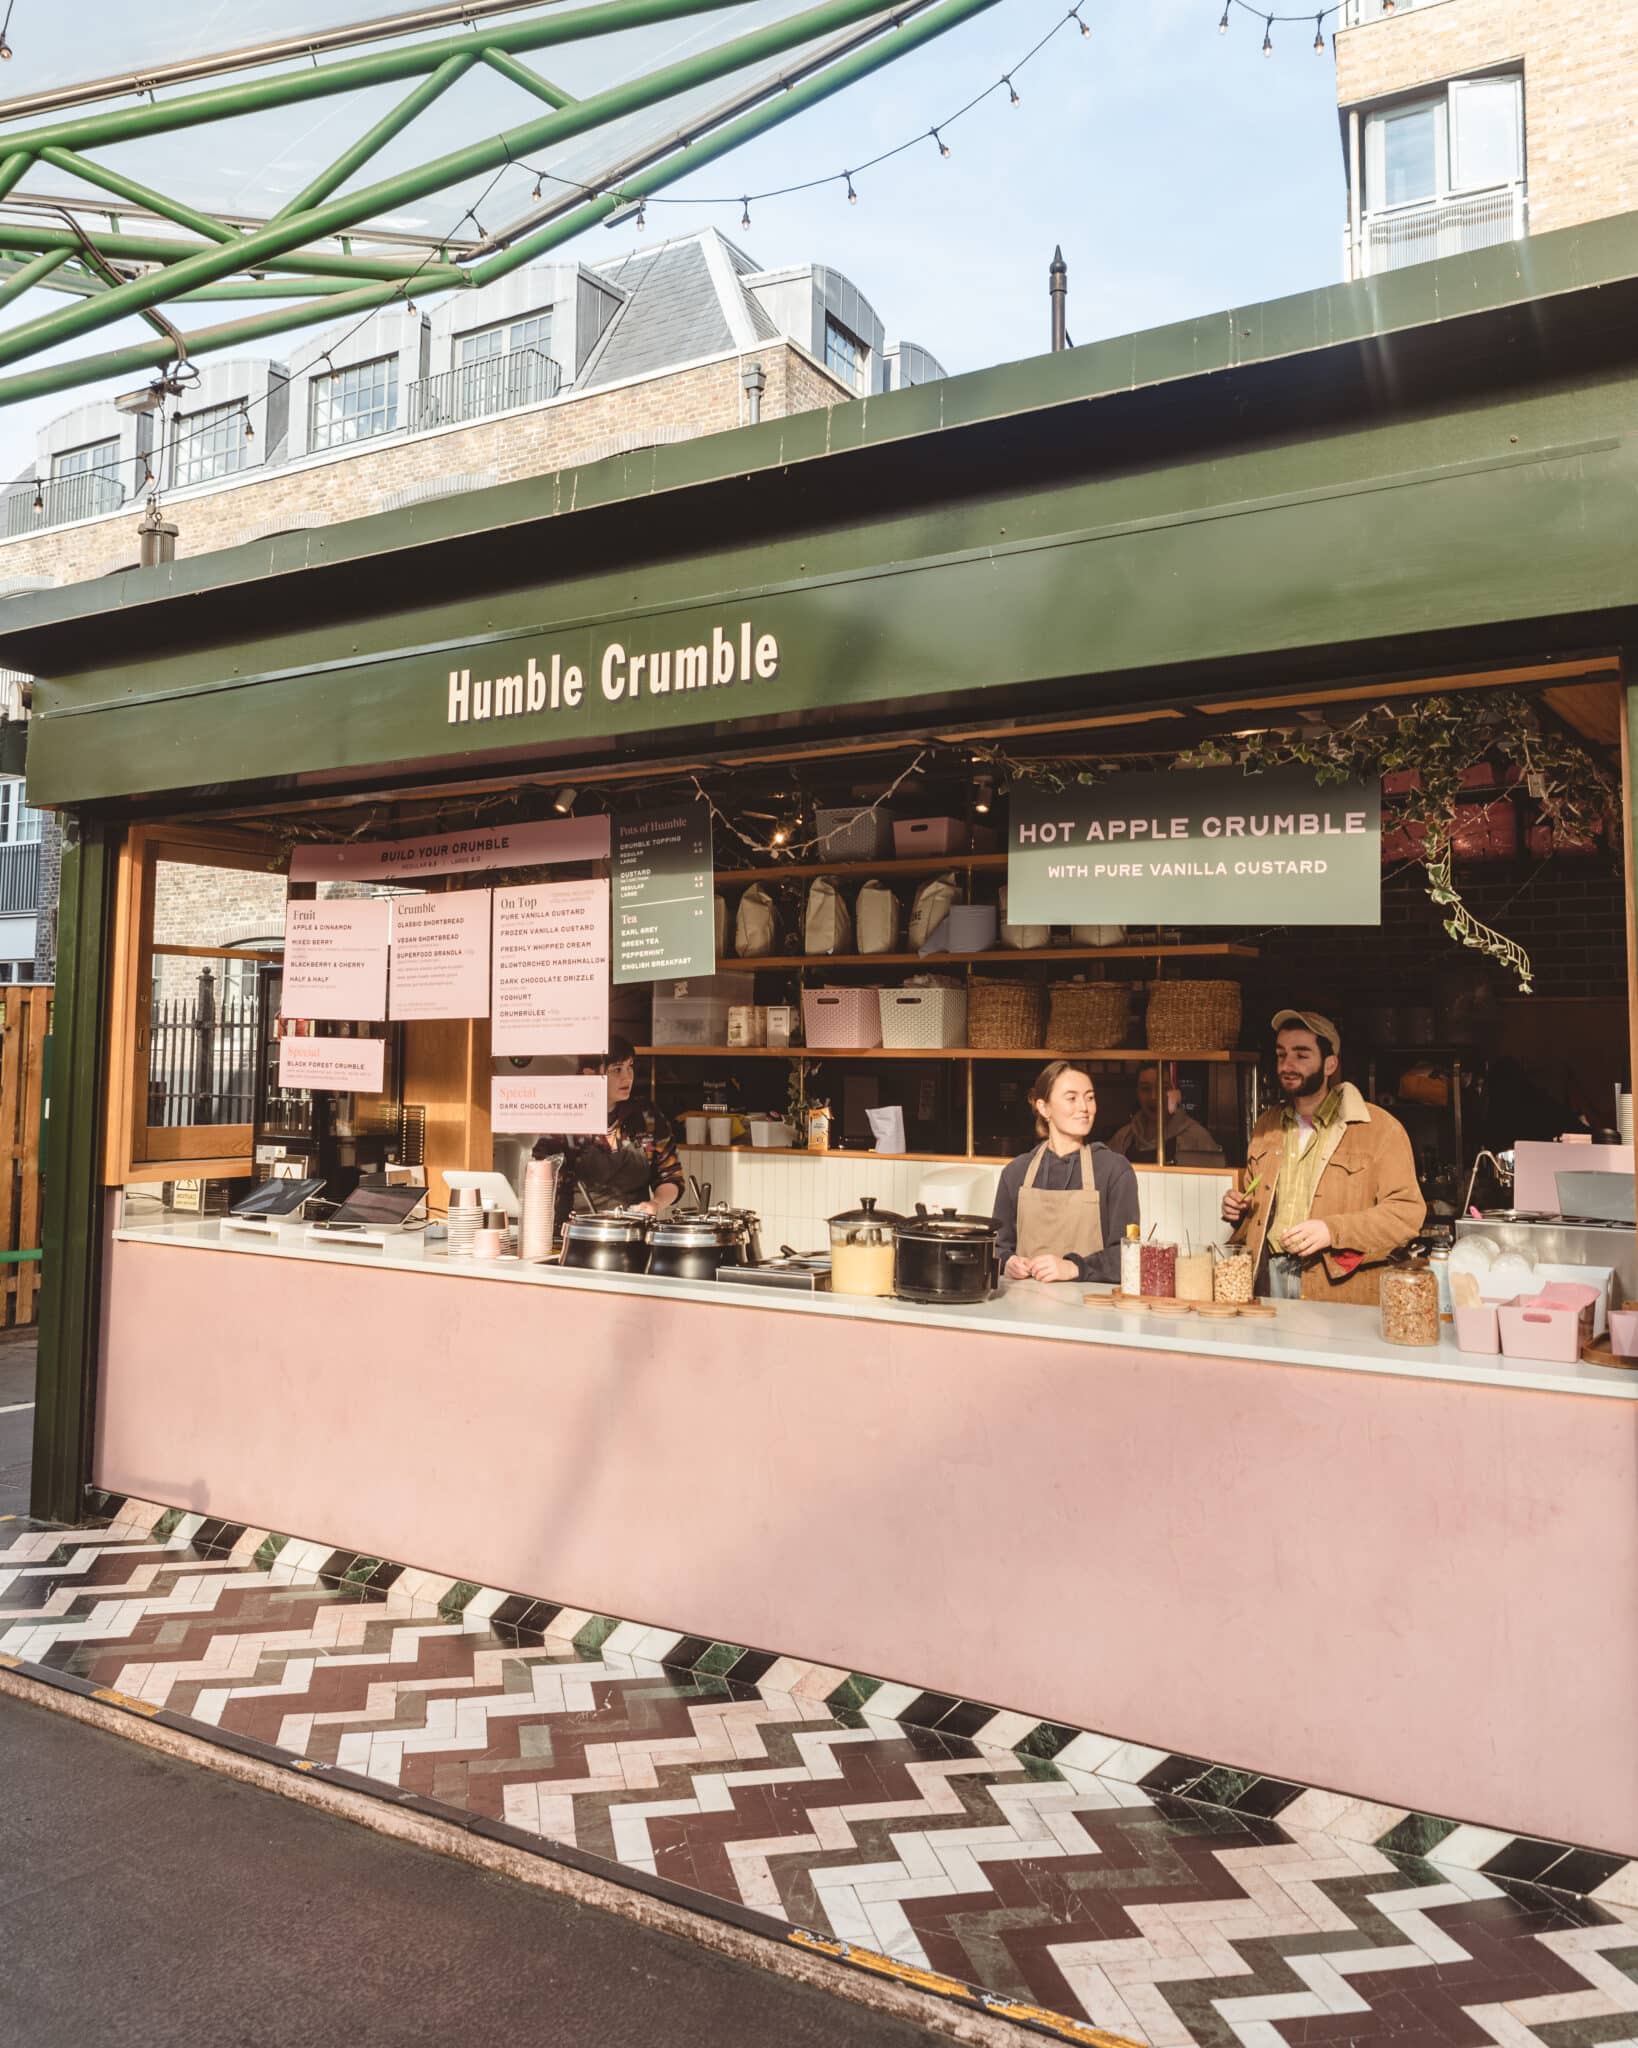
134	1149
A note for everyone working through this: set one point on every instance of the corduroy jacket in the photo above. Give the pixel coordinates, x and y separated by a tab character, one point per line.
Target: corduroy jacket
1366	1191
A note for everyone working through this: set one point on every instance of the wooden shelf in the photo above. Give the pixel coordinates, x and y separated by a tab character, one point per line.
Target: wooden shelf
881	870
1002	956
924	1052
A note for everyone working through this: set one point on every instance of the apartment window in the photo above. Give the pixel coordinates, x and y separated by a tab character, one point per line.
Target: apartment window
483	344
1468	138
354	404
19	822
96	458
844	354
210	443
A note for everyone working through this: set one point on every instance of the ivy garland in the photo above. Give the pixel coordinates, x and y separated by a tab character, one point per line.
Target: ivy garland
1434	743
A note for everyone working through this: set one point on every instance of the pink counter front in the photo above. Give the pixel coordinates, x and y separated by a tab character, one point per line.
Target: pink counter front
1408	1579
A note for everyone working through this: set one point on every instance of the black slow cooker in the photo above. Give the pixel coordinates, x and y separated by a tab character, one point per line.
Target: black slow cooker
693	1247
610	1241
944	1257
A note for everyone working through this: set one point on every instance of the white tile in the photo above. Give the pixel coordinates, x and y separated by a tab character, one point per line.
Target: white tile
1468	1847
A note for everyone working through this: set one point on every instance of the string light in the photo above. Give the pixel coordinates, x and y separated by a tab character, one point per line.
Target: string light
250	431
39	499
745	217
1222	26
5	34
536	193
1259	10
943	146
1319	33
852	196
1012	90
1268	38
1075	15
642	209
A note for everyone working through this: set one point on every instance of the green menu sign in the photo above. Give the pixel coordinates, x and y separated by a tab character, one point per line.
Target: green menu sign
1196	846
664	917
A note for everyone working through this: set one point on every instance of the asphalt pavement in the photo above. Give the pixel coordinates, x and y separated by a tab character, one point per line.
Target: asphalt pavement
16	1418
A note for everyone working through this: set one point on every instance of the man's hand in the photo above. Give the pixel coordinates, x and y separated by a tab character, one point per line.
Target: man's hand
1303	1240
649	1208
1051	1267
1235	1206
1016	1268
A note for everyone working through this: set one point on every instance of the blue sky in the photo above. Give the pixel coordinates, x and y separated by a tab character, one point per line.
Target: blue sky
1179	169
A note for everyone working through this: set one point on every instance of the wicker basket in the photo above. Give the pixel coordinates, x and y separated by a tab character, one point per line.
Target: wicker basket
1088	1016
1194	1016
1002	1015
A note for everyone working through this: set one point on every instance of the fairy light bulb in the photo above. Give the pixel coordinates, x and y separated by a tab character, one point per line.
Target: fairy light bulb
535	194
1319	34
642	215
1268	38
852	196
745	217
1012	91
1222	26
943	146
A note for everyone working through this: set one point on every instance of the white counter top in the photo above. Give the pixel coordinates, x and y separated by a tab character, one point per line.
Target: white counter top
1330	1336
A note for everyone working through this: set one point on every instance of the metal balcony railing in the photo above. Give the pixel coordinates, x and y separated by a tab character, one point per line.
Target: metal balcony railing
85	496
19	879
524	377
1394	236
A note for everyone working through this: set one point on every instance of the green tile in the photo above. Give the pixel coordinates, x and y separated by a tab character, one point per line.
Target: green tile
458	1598
1220	1787
852	1692
1041	1770
360	1569
1044	1740
595	1634
720	1658
267	1550
1416	1835
166	1523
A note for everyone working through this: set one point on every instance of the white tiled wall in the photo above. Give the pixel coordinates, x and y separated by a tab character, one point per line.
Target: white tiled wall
795	1192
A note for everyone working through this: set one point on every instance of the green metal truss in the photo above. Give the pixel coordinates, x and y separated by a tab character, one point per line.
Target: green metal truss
109	273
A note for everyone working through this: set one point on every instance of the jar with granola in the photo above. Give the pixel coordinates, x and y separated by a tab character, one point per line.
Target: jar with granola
1410	1304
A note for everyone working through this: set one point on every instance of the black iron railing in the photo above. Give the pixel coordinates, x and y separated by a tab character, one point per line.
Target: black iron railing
524	377
202	1058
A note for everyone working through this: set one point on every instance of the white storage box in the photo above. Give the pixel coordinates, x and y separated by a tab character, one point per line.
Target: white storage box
923	1016
841	1018
690	1020
936	836
768	1134
854	834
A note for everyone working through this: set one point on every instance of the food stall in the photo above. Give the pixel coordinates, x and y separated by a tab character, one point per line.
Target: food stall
1017	590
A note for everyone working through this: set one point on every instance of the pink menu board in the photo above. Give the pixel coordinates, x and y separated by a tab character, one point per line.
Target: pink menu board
354	1064
440	956
574	1104
550	969
335	960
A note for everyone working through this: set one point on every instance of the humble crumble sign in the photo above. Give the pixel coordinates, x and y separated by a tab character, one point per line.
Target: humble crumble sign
1196	846
542	687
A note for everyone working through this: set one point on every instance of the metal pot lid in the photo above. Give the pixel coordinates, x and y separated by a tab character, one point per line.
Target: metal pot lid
608	1226
867	1212
696	1233
946	1227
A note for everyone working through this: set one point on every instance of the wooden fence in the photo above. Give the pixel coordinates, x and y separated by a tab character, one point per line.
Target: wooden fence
27	1024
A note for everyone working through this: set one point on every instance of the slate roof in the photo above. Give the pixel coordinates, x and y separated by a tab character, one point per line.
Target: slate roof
684	300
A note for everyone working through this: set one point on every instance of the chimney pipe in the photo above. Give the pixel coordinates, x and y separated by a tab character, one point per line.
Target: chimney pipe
156	538
1058	287
755	380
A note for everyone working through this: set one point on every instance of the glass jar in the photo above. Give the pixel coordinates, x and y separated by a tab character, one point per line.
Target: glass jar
862	1243
1234	1277
1410	1304
1158	1266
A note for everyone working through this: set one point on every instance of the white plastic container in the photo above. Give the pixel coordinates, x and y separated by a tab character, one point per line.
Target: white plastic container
696	1130
923	1016
768	1134
838	1018
719	1130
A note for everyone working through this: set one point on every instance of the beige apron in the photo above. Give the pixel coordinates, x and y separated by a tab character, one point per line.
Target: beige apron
1059	1220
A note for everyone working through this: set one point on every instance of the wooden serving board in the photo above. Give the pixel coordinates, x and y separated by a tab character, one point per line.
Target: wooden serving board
1601	1354
1166	1304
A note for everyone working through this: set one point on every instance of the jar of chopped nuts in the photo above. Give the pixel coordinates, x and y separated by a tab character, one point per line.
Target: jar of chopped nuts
1410	1304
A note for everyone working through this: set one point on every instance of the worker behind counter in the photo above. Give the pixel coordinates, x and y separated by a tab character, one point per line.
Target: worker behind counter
1062	1210
1188	1143
634	1164
1331	1179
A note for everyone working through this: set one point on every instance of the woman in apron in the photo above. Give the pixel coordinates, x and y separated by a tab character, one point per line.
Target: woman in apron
634	1165
1062	1210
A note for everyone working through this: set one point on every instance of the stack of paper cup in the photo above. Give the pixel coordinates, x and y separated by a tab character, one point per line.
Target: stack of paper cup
539	1203
1623	1115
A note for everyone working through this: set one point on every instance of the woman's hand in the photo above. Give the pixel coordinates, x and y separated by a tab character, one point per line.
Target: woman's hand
1016	1268
1050	1267
649	1208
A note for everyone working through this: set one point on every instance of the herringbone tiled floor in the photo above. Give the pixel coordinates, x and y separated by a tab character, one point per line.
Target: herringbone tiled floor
1035	1862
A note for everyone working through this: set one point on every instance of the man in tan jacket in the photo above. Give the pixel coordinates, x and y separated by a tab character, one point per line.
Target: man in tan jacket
1330	1178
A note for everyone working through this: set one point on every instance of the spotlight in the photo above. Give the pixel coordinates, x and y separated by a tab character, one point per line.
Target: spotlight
983	794
563	802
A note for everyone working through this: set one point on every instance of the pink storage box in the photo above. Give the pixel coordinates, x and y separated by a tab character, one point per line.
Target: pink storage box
936	836
1624	1332
1477	1329
842	1018
1538	1326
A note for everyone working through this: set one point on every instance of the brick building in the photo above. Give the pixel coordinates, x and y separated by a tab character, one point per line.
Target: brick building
558	365
1472	122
